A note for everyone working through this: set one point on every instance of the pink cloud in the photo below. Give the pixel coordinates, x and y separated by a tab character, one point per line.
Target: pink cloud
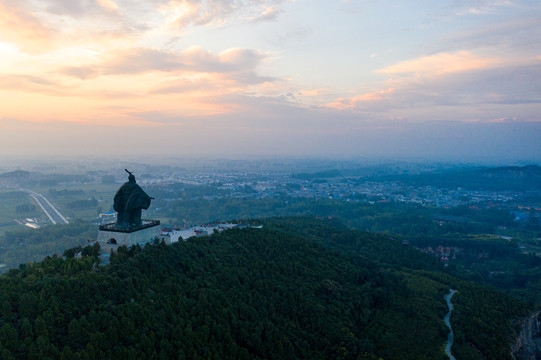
355	101
191	12
312	92
184	13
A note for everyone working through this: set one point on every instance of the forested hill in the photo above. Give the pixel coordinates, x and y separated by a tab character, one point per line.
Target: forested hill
17	174
297	288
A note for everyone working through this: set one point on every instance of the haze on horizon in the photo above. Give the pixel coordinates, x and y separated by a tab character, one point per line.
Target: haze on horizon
447	80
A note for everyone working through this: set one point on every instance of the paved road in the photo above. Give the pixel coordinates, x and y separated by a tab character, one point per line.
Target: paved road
446	319
48	208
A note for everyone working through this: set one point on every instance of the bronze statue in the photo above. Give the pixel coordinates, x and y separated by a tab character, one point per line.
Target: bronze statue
128	202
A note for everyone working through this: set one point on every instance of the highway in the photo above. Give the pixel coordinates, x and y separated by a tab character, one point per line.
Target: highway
54	215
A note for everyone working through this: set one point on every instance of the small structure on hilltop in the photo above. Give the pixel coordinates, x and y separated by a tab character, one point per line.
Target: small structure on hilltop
129	228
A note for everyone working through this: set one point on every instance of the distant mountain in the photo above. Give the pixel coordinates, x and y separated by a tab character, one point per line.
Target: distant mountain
354	171
15	178
297	288
17	174
497	178
494	178
520	171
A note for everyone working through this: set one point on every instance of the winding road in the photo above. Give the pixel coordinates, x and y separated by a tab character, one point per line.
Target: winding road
446	319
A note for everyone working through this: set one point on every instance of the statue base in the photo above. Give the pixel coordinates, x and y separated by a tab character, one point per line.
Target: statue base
110	237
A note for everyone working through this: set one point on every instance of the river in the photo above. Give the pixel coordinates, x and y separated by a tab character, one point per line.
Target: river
450	337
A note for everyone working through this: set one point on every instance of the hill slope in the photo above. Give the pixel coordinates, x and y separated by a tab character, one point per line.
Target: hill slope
245	294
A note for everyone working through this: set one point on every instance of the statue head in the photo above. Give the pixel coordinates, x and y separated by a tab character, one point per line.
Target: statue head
131	178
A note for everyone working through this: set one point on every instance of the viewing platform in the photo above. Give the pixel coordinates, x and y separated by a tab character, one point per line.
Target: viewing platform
110	236
145	223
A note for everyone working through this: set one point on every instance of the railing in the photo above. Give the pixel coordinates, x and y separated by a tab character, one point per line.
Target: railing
145	223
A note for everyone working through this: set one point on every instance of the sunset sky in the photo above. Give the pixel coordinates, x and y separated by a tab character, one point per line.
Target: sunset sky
425	79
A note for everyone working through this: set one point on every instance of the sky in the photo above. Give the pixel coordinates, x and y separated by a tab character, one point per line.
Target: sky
454	80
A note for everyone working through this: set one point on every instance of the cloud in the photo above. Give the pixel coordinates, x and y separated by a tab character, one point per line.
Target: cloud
268	14
477	7
184	13
443	63
312	92
469	88
139	60
23	86
73	8
250	78
25	30
129	61
39	27
78	72
108	4
362	101
511	36
185	85
511	83
186	70
462	78
231	60
31	83
191	12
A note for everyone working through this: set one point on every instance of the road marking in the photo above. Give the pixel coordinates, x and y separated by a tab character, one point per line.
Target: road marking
35	195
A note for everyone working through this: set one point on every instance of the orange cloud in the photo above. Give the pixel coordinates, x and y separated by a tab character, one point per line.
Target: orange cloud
182	13
193	59
443	63
268	14
23	29
99	108
177	94
108	4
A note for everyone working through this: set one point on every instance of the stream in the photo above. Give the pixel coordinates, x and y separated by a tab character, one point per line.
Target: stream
450	337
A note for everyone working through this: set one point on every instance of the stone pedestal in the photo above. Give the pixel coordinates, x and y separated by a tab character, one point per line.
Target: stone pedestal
111	237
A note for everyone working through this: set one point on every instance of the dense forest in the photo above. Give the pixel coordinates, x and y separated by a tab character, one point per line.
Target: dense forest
409	221
483	258
29	245
297	288
393	218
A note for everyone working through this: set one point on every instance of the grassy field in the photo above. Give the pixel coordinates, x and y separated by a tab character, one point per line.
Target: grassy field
70	201
14	205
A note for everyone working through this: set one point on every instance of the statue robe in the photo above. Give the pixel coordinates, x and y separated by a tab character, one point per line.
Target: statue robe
128	202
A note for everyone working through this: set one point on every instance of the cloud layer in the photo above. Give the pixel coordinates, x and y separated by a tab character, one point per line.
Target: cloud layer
272	70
